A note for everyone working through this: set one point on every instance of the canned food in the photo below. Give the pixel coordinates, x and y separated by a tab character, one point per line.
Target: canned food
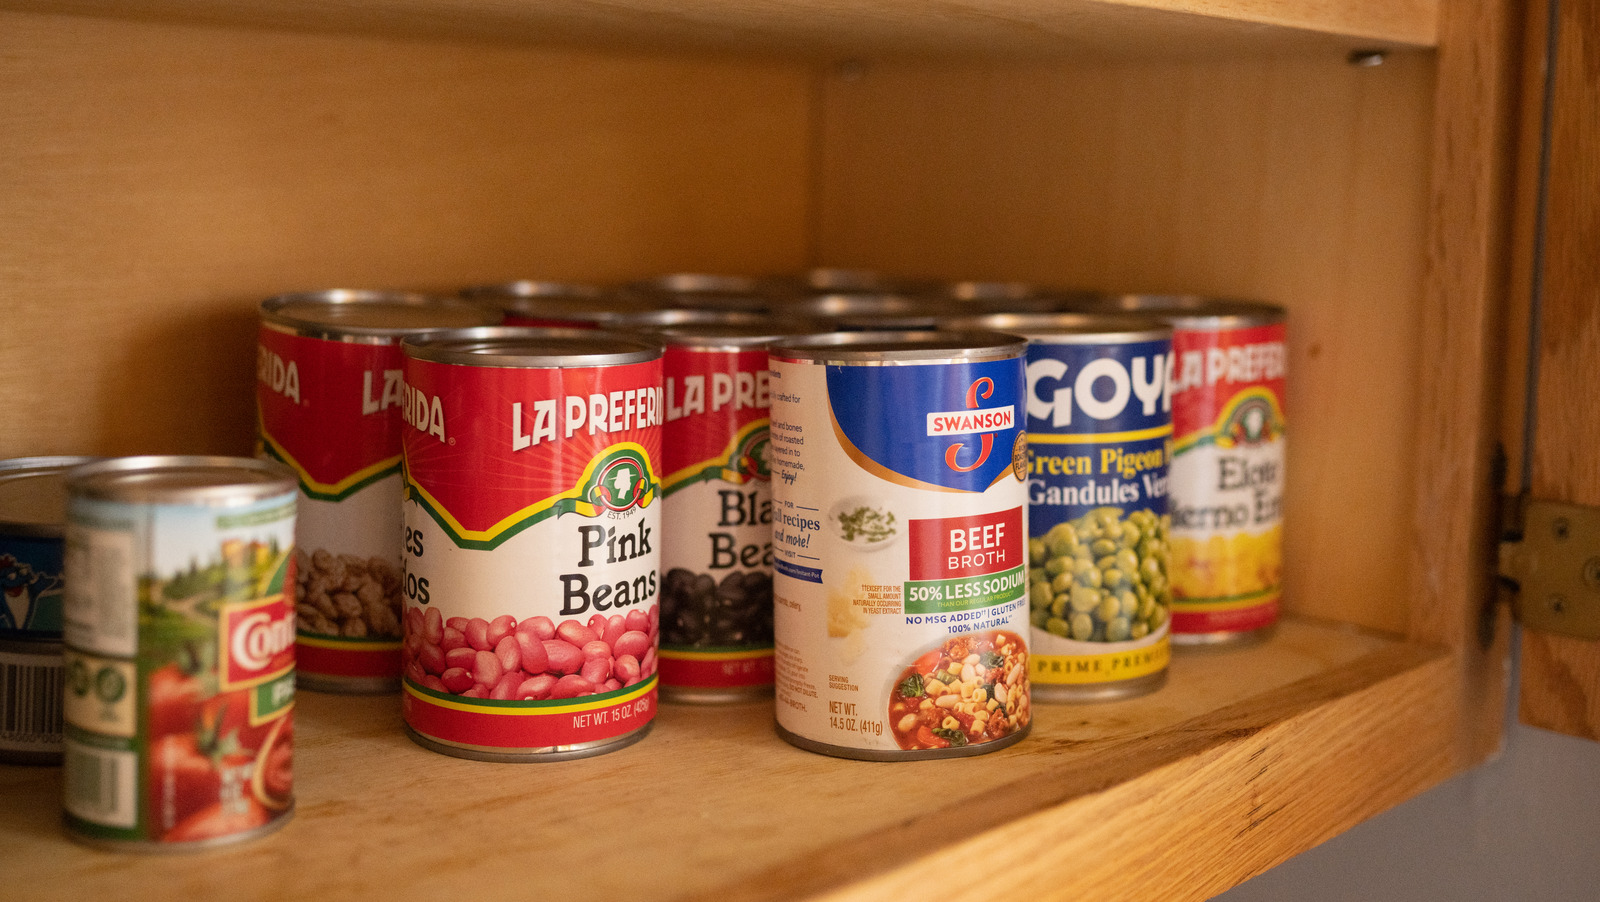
899	543
703	290
180	651
532	541
33	517
1007	297
1099	442
551	304
875	312
329	398
716	596
1229	426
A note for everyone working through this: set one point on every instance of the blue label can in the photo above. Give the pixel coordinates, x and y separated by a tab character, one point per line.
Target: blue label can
1099	418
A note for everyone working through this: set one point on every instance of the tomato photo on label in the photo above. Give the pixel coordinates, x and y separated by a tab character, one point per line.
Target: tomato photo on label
183	779
273	780
176	699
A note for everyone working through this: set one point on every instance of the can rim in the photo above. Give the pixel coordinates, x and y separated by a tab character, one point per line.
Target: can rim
210	481
1069	327
19	468
912	347
274	315
531	347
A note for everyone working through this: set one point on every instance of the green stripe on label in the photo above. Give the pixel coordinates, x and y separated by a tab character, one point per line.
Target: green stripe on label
969	593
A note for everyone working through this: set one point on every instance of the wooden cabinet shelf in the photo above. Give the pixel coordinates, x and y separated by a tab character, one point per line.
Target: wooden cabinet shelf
166	165
1244	757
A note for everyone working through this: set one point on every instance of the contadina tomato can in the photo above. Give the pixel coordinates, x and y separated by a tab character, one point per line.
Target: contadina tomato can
33	518
900	543
716	596
1229	426
179	651
1099	445
328	395
532	541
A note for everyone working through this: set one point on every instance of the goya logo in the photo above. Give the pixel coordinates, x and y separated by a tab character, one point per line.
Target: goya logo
621	484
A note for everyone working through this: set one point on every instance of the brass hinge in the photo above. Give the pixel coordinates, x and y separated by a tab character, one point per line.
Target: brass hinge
1551	552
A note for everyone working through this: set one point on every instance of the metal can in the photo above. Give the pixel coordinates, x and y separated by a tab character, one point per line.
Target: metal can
552	304
978	298
1099	447
1228	446
180	651
33	517
708	291
328	396
899	543
716	594
532	541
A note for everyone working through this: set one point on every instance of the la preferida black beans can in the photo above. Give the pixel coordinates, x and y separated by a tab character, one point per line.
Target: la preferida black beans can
532	541
1099	446
33	517
328	398
899	538
180	651
716	596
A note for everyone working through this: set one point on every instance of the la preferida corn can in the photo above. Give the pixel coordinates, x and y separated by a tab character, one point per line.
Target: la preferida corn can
716	595
180	651
532	541
1099	446
328	399
899	543
1229	438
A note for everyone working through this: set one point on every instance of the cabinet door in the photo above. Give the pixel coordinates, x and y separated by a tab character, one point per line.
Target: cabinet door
1560	687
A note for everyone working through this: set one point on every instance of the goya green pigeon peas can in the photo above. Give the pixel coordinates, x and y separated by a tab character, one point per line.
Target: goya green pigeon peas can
900	543
1099	443
328	396
532	541
33	517
179	651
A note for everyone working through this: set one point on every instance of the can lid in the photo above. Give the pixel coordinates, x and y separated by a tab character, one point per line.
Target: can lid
182	479
531	288
900	347
33	495
531	347
1069	328
708	290
731	335
339	314
1190	310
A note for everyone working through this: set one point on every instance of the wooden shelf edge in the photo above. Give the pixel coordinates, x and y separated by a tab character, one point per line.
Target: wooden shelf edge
1210	802
1247	757
959	28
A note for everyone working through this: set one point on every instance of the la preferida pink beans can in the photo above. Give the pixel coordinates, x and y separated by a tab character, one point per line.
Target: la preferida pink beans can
899	465
328	399
532	541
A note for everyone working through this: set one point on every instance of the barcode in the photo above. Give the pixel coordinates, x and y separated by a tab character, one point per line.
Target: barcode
30	702
98	784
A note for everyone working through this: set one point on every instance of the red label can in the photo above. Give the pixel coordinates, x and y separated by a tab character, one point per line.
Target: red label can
716	624
329	394
532	541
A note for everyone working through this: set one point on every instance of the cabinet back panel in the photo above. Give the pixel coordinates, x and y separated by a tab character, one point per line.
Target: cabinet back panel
1302	181
159	180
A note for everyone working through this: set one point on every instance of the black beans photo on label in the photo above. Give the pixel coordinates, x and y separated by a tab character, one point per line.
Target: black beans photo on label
698	611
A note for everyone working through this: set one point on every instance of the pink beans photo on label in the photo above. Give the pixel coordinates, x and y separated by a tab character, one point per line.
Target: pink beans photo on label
477	633
633	643
575	633
432	627
465	658
564	657
531	651
536	688
571	686
453	638
488	670
627	669
501	627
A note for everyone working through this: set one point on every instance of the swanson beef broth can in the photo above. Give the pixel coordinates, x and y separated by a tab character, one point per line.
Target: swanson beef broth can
33	517
1228	412
329	395
180	651
532	541
899	535
1099	444
716	595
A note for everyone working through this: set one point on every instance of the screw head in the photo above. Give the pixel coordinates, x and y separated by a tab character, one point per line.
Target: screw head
1561	527
1591	572
1557	603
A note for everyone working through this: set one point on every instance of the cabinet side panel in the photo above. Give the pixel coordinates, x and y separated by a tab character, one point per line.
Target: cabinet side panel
159	180
1297	180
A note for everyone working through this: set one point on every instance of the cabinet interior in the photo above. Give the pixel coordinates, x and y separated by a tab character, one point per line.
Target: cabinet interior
162	177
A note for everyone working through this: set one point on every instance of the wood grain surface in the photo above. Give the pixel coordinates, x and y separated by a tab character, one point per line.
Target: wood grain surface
1250	756
1560	676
